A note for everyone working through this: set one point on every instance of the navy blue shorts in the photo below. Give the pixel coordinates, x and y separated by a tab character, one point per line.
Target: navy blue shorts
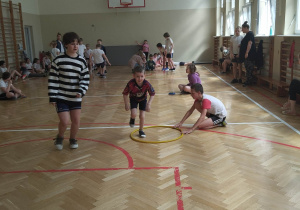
142	104
100	64
169	55
66	106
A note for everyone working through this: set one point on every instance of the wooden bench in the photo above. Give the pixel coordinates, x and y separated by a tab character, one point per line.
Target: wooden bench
281	86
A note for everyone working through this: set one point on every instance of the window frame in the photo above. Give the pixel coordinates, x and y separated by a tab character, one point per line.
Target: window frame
297	25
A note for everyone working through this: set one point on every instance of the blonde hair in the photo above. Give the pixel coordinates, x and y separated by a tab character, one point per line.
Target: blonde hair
53	43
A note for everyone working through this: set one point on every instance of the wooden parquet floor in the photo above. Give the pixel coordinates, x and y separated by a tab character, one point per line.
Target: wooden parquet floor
253	163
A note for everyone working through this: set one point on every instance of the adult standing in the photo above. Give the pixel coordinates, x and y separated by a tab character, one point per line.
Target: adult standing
235	43
59	45
248	52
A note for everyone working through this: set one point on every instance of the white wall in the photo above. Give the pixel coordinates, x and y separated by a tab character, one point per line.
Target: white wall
47	7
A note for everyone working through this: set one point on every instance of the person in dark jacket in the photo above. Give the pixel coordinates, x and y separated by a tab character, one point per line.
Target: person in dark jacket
248	52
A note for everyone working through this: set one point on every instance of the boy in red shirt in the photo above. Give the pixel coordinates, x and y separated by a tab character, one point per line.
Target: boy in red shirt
137	89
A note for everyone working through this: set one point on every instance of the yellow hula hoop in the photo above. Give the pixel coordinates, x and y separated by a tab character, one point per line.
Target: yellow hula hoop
155	142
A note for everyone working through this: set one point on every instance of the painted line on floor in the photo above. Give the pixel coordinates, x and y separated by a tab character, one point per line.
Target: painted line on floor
256	103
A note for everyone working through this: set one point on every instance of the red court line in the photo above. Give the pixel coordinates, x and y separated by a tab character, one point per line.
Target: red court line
271	99
128	156
249	137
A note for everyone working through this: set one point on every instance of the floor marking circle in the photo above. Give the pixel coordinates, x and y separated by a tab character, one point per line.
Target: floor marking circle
155	142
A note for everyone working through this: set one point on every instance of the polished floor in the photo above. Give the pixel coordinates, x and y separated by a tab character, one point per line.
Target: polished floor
253	163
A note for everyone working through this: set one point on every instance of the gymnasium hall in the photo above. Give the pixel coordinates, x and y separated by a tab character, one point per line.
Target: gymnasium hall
251	160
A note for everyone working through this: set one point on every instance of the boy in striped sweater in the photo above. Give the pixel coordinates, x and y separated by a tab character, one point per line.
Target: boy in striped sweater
67	84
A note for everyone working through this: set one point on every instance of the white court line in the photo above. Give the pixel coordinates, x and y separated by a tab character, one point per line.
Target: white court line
157	94
260	106
125	126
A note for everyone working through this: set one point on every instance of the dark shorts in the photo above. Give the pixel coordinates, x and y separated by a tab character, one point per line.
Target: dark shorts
142	104
235	59
169	55
3	95
66	106
100	64
216	119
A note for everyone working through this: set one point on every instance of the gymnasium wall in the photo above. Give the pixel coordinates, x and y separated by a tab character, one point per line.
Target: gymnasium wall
190	30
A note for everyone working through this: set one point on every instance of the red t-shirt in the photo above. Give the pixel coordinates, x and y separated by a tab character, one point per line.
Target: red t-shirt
138	93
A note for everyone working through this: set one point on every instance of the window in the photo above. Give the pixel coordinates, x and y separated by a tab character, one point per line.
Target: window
246	13
266	17
297	30
222	16
222	3
230	22
231	18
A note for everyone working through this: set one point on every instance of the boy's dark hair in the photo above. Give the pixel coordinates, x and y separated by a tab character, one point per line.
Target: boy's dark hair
5	75
245	25
150	55
80	40
2	62
70	37
145	40
197	87
58	34
155	54
159	45
22	62
35	60
138	69
48	53
99	40
166	34
192	68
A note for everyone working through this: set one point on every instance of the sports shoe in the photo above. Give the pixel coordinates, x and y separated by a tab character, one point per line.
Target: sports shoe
163	69
73	144
234	81
105	71
131	122
58	142
173	69
166	69
240	81
142	134
24	76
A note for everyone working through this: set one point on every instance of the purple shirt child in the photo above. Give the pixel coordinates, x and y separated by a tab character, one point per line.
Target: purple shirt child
193	78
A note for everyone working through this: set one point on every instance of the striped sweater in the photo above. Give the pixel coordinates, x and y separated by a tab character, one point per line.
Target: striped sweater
68	77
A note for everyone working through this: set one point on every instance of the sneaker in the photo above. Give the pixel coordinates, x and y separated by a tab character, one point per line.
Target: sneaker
234	81
163	69
98	73
240	81
142	134
58	142
105	72
245	84
131	122
224	123
103	76
166	69
73	144
173	69
24	76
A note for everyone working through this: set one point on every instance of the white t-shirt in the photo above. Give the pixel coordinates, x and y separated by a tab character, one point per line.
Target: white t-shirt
214	106
3	85
47	61
28	65
81	49
98	56
169	43
236	41
54	53
87	53
37	66
3	70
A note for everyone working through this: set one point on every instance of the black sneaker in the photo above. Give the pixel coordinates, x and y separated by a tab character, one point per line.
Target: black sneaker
142	134
240	81
105	72
234	81
245	84
58	142
73	144
131	122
